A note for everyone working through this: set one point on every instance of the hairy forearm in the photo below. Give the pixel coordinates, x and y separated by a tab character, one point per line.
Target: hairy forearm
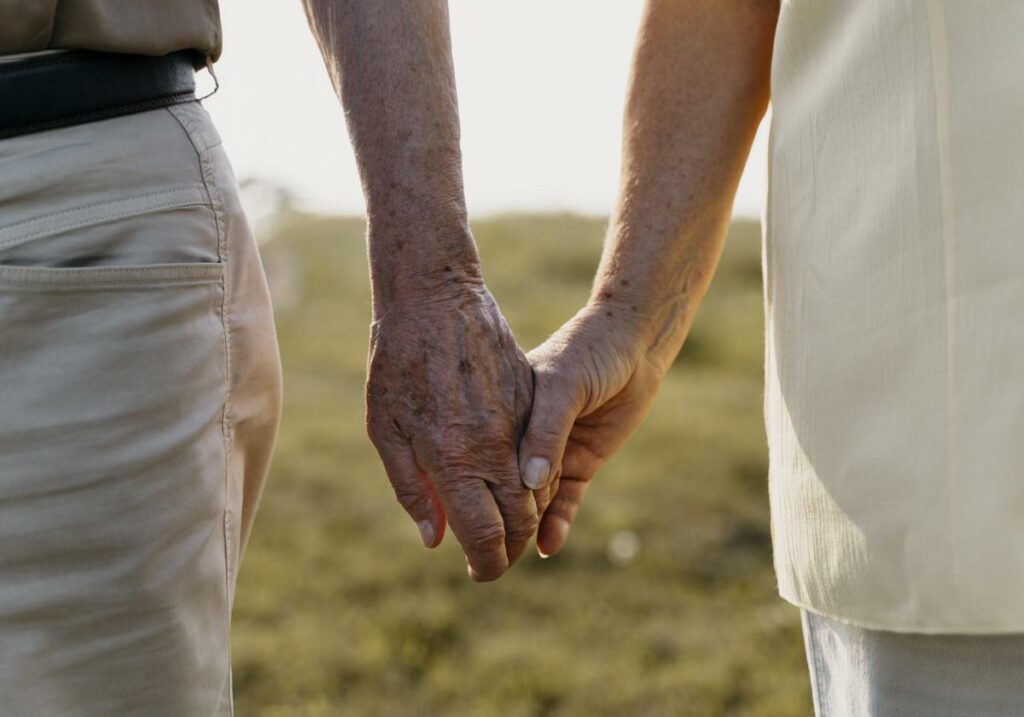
391	65
698	90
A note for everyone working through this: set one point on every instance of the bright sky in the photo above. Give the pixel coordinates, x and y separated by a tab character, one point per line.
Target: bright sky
541	86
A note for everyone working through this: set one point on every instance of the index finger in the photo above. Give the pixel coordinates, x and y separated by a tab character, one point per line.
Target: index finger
476	522
518	507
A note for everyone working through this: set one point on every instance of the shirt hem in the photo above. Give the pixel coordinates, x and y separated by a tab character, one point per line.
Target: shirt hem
902	627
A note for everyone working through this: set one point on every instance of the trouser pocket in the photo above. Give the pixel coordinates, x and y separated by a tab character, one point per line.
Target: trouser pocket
114	383
112	489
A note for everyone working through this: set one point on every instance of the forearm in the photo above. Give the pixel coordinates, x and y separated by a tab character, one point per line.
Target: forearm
698	90
391	65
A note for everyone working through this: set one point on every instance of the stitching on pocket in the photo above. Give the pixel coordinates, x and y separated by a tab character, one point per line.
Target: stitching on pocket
195	135
77	217
109	277
199	139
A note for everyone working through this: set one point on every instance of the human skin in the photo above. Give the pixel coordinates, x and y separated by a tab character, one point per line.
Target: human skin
448	390
698	90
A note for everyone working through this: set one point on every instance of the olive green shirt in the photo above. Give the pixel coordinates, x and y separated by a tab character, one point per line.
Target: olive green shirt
143	27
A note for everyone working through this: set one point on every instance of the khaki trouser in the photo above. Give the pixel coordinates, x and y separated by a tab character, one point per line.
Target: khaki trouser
861	672
140	393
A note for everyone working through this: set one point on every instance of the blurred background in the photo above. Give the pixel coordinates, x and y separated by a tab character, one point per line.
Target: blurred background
663	602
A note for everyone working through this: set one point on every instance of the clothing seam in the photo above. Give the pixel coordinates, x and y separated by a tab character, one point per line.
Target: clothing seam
805	632
99	204
99	219
940	77
217	204
900	629
61	287
128	276
226	421
768	304
816	693
192	132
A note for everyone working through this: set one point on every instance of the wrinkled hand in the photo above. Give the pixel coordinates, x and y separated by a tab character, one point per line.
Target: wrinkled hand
594	381
448	394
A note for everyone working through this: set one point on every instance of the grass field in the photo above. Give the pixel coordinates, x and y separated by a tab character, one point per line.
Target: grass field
341	612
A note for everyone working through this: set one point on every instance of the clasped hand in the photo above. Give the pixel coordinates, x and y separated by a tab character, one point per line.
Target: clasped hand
500	445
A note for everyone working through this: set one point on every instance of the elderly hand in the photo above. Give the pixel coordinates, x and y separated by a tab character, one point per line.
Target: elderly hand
594	381
447	396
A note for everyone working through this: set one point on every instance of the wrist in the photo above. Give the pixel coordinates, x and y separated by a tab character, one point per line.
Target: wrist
654	325
629	301
422	263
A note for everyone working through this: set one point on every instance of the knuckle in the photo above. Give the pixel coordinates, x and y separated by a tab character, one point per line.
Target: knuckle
546	495
543	501
563	507
561	384
487	538
481	460
523	529
551	371
546	433
407	496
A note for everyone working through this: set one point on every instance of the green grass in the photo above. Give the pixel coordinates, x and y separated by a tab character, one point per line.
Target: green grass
341	612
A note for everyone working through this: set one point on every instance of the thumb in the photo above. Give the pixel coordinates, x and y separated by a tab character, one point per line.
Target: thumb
555	408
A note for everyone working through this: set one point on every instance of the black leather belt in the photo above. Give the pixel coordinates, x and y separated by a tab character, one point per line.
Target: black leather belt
67	88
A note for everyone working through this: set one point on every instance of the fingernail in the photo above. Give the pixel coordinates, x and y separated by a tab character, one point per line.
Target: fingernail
426	532
537	472
551	538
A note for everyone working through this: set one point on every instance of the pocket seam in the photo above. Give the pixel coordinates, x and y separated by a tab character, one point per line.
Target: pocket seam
180	114
109	277
183	197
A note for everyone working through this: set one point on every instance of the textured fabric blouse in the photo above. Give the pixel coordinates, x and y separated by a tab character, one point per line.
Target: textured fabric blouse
894	299
143	27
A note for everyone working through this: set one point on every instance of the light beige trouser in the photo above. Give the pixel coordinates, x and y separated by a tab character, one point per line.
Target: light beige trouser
140	393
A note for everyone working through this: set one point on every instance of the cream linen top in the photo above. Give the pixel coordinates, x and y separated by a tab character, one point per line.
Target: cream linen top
894	299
